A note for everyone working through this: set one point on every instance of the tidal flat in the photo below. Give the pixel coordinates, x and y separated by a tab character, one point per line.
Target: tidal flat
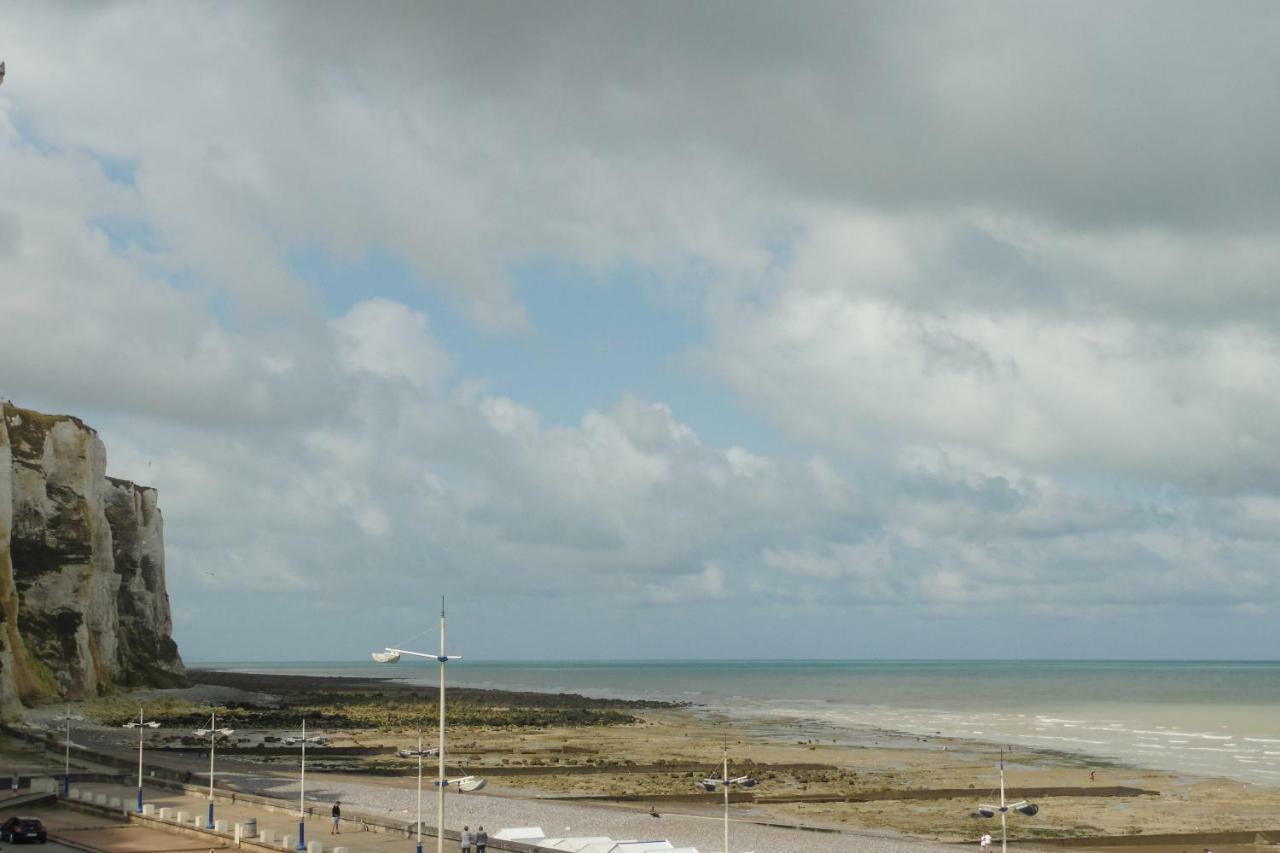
638	755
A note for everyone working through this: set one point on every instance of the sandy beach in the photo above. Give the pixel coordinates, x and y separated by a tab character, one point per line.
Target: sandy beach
885	791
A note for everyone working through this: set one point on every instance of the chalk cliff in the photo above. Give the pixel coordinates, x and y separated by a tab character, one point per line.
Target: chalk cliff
83	606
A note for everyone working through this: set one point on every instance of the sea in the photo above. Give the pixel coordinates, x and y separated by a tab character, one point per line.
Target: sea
1202	718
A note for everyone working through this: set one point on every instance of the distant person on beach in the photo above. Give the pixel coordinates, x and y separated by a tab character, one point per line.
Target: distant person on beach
1093	775
653	811
482	839
985	844
464	841
336	813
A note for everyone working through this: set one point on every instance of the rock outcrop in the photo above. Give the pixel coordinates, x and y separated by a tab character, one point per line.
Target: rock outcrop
83	606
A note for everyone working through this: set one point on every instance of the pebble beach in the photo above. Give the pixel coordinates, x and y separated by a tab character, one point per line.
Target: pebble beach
565	819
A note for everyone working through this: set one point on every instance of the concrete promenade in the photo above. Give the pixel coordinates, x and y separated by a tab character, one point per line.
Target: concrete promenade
187	814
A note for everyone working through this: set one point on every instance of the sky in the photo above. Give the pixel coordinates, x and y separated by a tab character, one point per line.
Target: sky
666	329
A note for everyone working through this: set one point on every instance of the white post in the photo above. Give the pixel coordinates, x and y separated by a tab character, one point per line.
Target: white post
440	793
725	776
419	789
302	791
1004	836
213	734
141	727
66	759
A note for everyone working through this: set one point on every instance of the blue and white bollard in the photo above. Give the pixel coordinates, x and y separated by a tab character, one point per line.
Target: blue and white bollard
139	801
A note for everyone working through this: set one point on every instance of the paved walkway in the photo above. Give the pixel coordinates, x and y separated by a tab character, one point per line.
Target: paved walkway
81	830
280	823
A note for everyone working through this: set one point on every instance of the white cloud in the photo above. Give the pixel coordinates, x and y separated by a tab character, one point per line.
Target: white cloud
1017	341
387	340
706	585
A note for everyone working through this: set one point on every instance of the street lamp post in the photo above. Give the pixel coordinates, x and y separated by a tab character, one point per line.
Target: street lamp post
390	655
1021	807
213	731
710	785
419	752
66	755
141	725
302	781
302	793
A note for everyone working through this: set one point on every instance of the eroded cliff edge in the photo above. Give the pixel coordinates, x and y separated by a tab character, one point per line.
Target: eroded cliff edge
83	606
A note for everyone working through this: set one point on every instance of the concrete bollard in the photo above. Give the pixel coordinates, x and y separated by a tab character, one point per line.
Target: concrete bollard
268	836
198	820
315	847
99	799
115	803
166	813
182	817
339	850
220	825
149	809
74	793
86	796
287	841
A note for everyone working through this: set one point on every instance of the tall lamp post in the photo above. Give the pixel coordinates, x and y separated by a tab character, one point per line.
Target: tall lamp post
213	731
141	725
419	752
710	784
1021	807
302	783
390	655
66	755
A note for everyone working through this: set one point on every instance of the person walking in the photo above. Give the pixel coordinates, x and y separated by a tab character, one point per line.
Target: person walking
984	845
482	839
336	814
464	841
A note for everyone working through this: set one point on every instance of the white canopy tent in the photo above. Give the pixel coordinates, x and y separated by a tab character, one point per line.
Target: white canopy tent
527	834
573	845
535	837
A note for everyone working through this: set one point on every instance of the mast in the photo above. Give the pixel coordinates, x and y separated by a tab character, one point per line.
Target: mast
440	792
1004	835
725	776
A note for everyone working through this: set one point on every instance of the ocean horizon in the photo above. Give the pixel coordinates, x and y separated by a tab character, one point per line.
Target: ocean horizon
1198	717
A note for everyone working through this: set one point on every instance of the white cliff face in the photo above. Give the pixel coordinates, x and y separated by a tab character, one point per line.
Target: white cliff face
82	591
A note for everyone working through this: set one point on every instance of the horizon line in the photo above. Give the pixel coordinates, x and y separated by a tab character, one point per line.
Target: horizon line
206	661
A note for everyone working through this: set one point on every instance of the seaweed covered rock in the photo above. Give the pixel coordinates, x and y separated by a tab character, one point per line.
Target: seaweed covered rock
83	605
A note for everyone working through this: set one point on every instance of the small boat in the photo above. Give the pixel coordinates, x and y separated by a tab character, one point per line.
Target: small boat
463	783
386	657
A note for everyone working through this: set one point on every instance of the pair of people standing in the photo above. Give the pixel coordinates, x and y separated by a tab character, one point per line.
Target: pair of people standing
480	840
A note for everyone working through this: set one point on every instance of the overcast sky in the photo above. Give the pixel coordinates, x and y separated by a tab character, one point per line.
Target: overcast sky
666	329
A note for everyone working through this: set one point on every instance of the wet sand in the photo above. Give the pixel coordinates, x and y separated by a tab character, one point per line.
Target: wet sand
870	786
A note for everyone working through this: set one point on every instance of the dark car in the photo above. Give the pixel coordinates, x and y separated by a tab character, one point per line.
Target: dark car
17	829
